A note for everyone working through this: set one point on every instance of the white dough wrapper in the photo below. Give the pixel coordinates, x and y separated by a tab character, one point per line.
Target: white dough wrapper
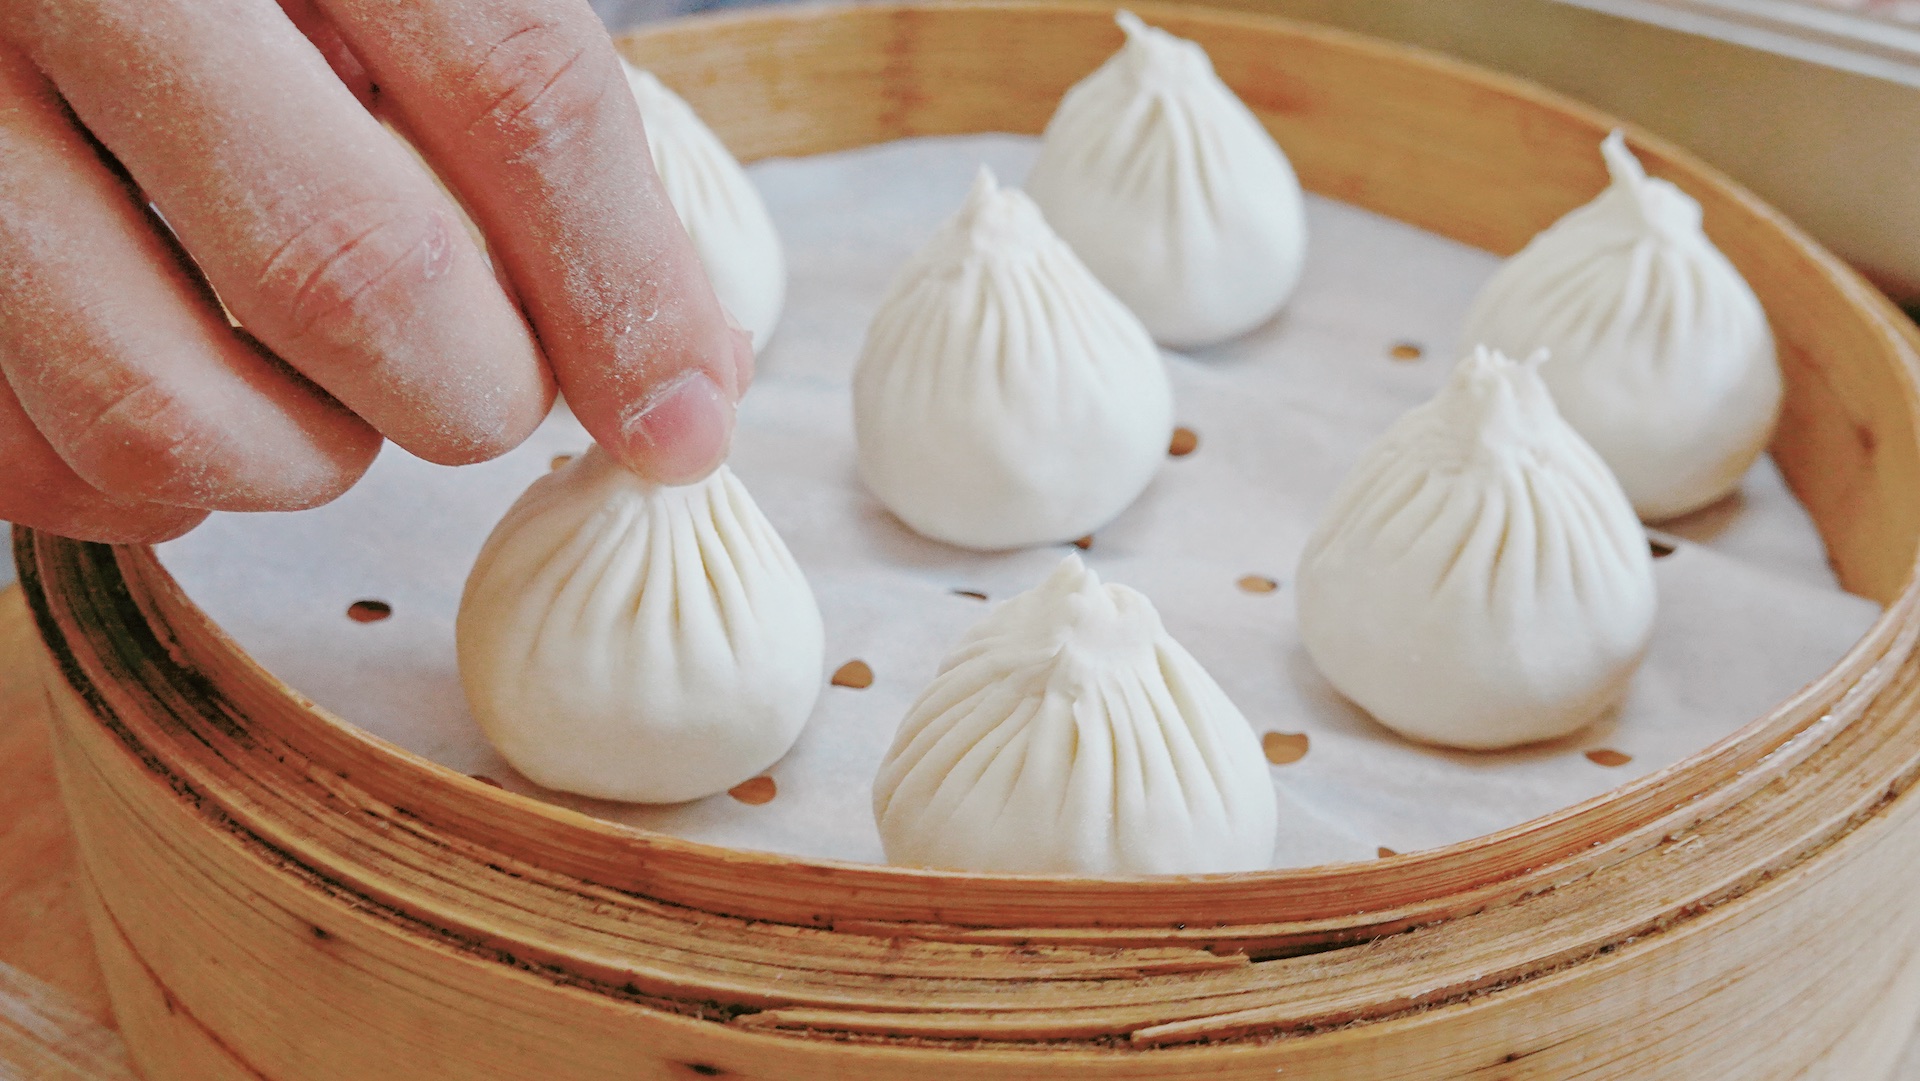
1003	397
629	641
1068	733
1172	191
1659	352
719	206
1479	580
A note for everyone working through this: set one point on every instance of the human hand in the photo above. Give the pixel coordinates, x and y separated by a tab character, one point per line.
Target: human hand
129	407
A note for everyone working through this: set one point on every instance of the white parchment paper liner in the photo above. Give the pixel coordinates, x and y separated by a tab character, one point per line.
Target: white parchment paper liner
1747	617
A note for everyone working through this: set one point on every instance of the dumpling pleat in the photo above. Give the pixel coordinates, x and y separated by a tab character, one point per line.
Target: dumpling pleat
1002	397
1661	354
1043	750
603	633
1506	598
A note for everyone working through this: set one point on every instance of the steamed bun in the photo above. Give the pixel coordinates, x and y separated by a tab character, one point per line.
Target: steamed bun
629	641
1479	580
1173	192
1660	354
1003	397
1068	733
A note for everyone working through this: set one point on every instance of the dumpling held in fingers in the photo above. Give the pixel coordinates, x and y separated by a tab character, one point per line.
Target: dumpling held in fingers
1068	733
1479	580
630	641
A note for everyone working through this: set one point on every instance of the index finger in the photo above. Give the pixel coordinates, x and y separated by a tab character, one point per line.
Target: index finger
524	108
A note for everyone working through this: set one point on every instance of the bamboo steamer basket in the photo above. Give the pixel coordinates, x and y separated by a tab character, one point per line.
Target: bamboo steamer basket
276	895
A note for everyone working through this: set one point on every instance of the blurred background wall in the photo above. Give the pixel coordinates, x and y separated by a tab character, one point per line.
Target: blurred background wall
1816	110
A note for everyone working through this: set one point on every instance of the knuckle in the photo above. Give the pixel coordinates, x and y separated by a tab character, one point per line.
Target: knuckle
151	445
542	86
39	490
142	443
36	491
356	270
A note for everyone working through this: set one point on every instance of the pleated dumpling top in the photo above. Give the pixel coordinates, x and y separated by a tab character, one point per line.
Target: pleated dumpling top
1003	397
1172	191
1659	353
1068	733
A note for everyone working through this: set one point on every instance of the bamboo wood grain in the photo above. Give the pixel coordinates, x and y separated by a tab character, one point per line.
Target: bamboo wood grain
42	930
278	895
371	979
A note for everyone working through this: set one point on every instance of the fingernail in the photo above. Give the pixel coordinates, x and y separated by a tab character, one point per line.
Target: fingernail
680	433
743	365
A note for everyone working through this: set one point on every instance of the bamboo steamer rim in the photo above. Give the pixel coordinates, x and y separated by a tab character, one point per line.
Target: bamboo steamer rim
210	725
